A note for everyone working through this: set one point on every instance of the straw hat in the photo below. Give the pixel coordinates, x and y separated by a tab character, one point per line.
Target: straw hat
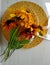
36	10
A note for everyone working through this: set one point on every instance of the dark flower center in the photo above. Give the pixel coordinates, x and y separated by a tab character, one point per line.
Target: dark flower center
9	21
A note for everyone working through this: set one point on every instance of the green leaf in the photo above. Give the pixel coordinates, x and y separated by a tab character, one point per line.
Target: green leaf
20	46
16	45
13	42
24	42
10	43
12	31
